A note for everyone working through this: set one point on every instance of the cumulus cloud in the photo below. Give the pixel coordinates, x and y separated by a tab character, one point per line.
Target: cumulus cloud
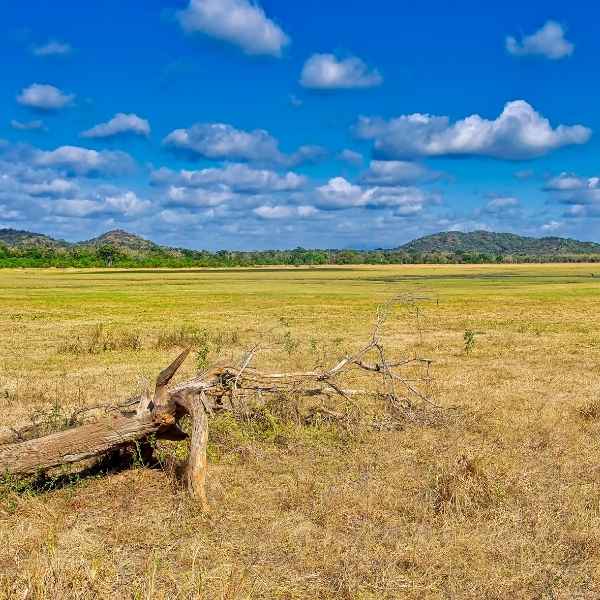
338	193
125	204
220	141
83	161
568	182
52	48
519	133
46	97
240	22
396	172
44	186
55	186
327	72
549	42
120	124
28	125
285	211
581	194
198	197
237	177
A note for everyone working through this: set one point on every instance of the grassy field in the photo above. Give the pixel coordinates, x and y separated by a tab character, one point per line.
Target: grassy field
501	499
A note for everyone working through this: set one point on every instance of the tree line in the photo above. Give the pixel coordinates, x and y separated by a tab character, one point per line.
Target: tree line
112	256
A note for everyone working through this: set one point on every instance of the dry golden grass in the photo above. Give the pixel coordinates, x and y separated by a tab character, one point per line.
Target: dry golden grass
502	500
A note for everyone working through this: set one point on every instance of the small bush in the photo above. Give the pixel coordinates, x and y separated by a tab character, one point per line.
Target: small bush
470	339
290	344
202	354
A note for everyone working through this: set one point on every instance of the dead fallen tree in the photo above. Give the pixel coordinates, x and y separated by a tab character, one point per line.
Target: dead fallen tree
222	388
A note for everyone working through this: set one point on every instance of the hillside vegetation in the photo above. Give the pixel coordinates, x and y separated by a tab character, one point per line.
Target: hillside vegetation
498	244
123	249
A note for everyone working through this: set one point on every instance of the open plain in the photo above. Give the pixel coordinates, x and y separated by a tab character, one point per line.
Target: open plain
499	498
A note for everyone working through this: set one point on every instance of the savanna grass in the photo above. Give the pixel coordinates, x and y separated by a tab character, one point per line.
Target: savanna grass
499	501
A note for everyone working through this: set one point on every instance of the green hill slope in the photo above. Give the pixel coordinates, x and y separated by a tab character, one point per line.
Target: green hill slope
488	242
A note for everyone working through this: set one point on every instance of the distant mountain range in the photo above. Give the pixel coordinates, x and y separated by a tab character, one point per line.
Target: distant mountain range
448	242
120	248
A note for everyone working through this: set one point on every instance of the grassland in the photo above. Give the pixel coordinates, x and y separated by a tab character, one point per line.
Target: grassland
502	500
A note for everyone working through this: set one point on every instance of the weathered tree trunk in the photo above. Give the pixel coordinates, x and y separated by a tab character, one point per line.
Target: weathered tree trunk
195	473
74	445
142	417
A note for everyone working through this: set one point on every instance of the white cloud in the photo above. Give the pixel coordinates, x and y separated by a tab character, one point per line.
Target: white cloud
549	41
568	182
9	214
519	133
502	205
220	141
396	172
351	157
52	48
182	196
340	194
120	124
83	161
240	22
76	207
327	72
44	97
583	211
582	194
27	126
124	204
551	226
285	212
237	177
51	187
54	186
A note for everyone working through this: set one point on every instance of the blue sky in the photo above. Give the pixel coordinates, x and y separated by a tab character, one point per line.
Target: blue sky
236	124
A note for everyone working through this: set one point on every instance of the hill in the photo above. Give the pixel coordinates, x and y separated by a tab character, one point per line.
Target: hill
489	242
122	240
16	238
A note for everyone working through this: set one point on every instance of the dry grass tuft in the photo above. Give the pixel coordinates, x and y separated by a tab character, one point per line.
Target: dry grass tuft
99	340
462	488
589	411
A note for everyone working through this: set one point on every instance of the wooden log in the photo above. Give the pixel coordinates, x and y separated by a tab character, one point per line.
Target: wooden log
74	445
144	417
